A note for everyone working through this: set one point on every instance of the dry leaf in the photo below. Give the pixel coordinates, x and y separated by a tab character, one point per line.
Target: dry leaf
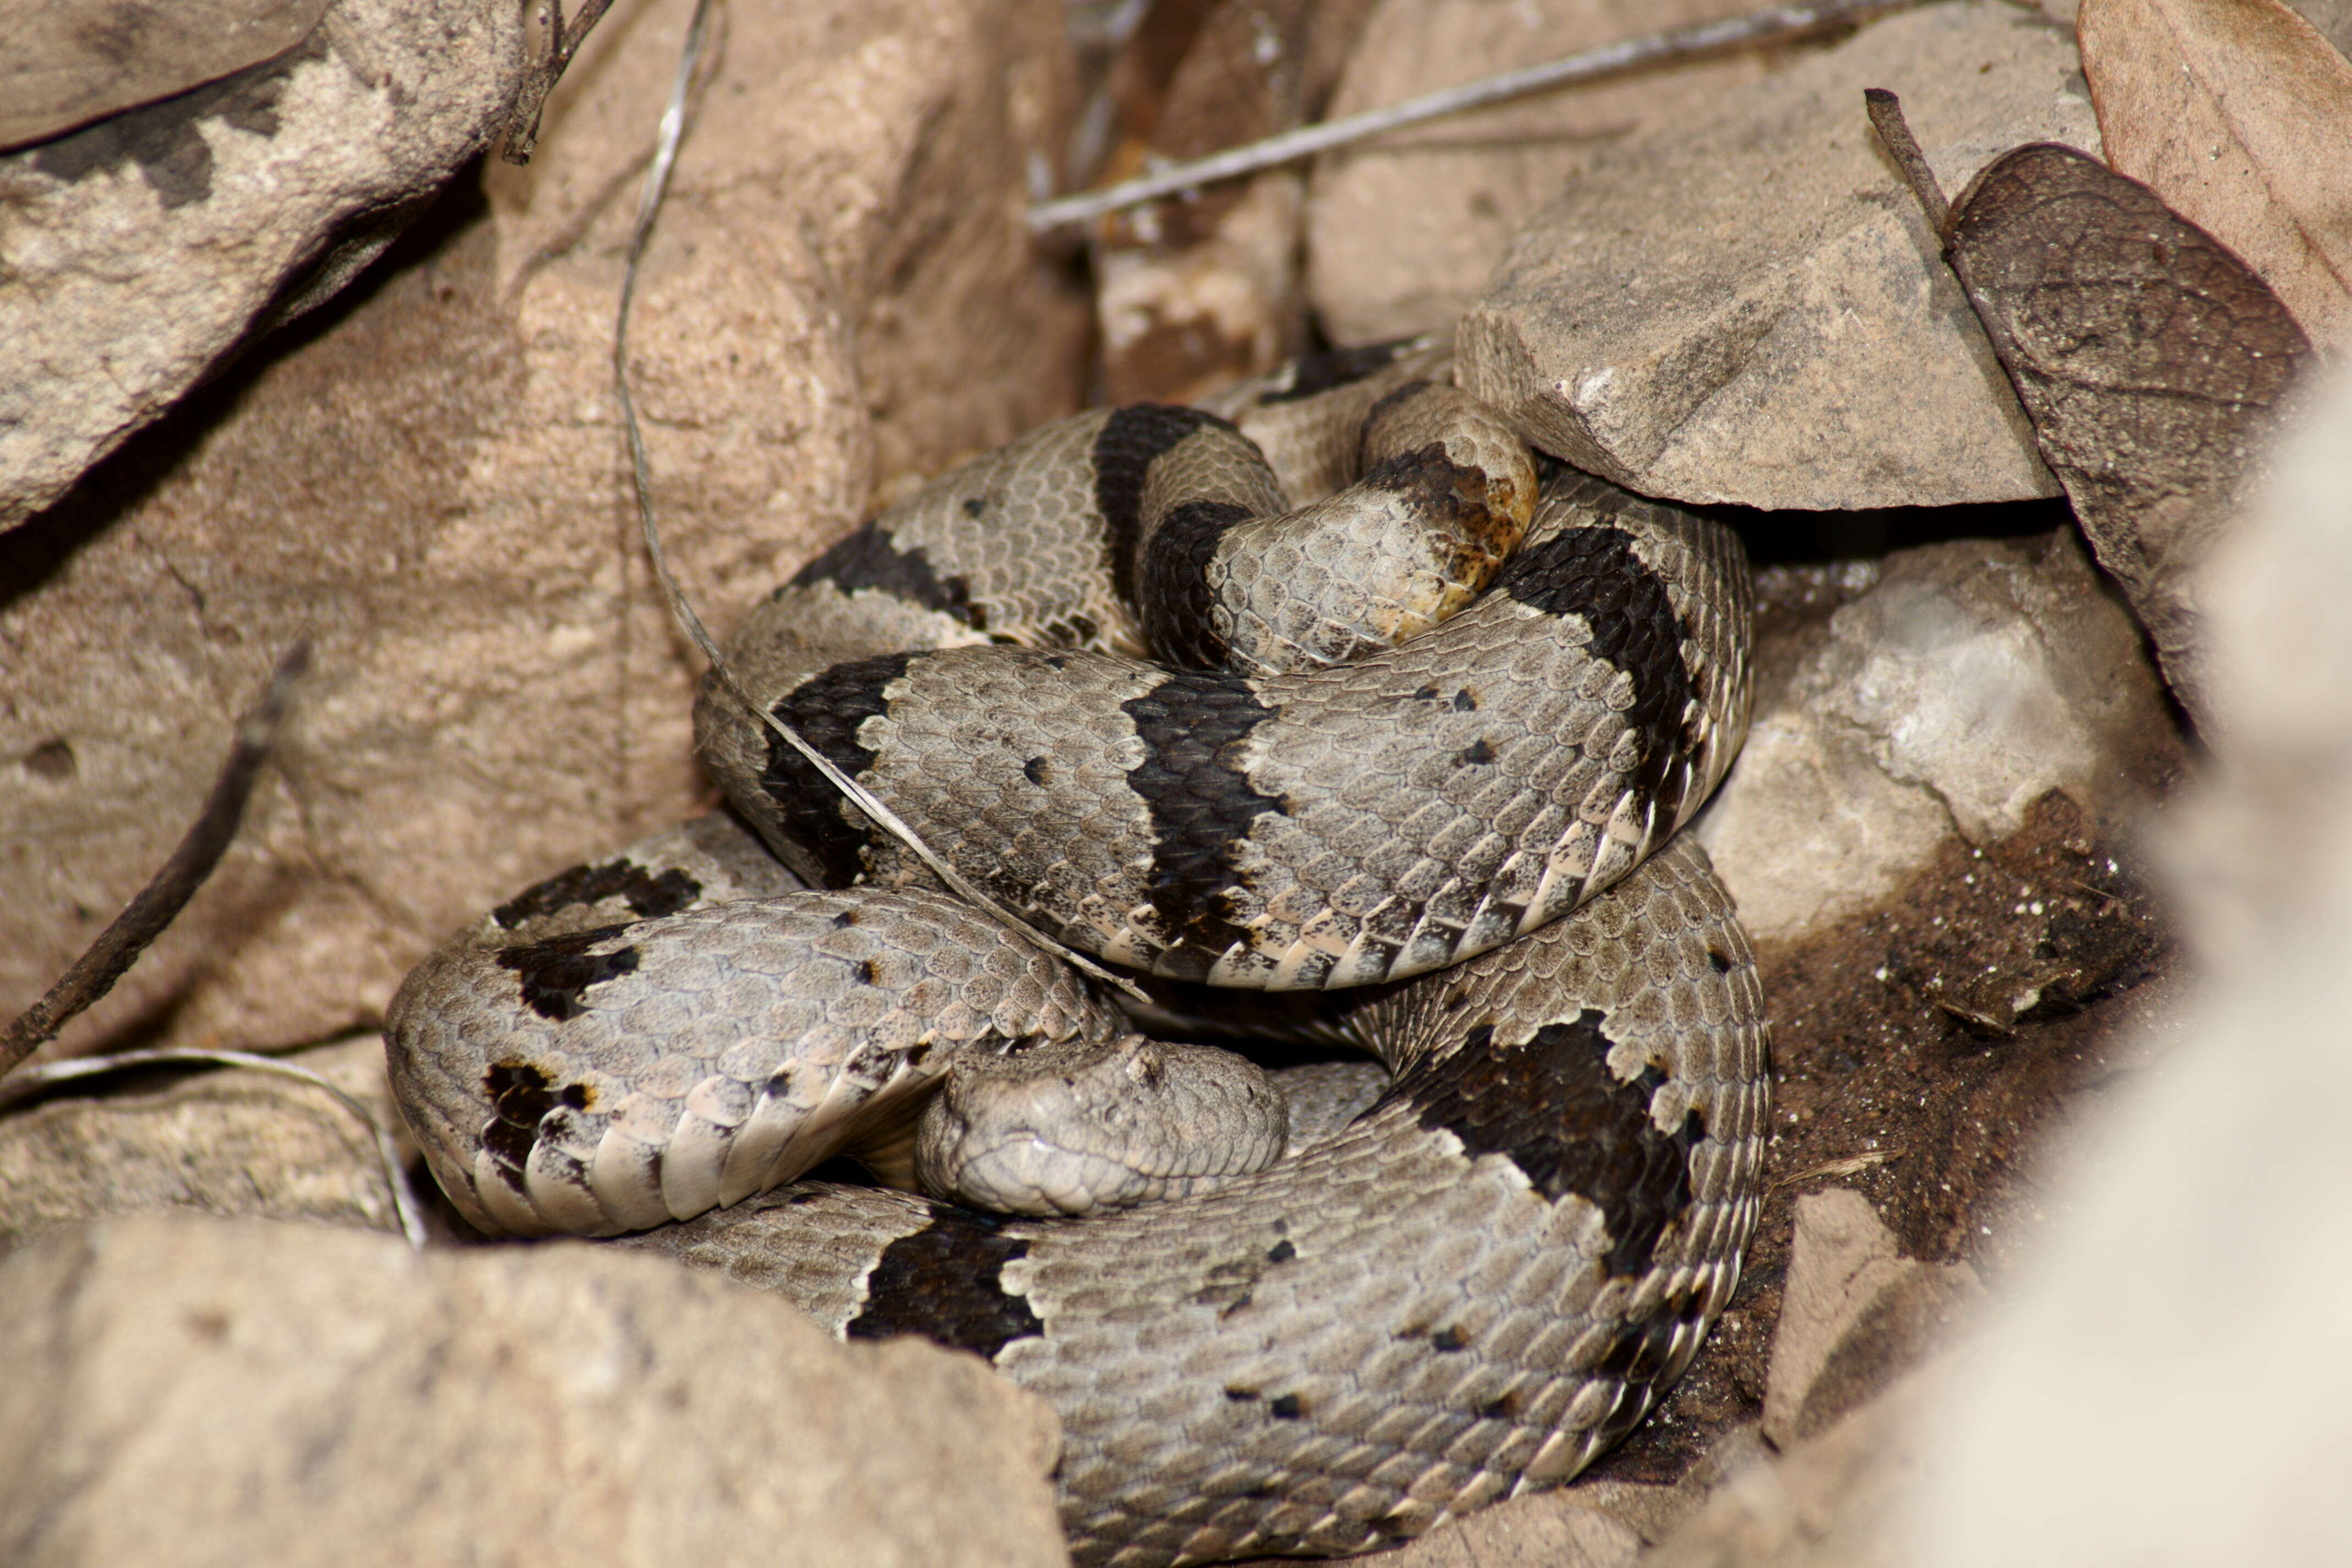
2239	114
2151	361
69	62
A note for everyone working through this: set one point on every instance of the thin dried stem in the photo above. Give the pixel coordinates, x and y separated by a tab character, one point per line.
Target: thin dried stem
1778	25
540	78
118	947
1885	113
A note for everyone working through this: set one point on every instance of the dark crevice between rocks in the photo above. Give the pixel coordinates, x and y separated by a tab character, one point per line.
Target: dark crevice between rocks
38	550
1813	538
1898	1033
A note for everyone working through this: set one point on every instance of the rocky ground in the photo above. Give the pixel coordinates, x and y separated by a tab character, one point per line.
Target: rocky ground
2038	830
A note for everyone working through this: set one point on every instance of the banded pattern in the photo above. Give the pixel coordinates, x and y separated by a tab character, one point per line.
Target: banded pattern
1477	1280
1469	1291
1295	832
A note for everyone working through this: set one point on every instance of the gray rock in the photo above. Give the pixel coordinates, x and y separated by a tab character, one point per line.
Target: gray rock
1748	307
1854	1316
226	1141
137	252
433	489
1957	684
1402	231
197	1390
2168	1379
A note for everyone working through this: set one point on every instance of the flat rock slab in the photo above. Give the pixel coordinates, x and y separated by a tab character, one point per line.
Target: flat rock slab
1750	308
137	252
73	61
187	1391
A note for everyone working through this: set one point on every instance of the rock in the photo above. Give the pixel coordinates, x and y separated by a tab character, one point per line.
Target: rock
1853	1317
1549	1529
226	1141
429	481
185	1391
1402	231
1954	686
150	243
1781	333
2190	1296
1587	1524
1834	1501
71	63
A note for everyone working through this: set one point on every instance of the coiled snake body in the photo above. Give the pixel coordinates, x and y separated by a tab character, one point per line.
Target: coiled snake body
1461	1281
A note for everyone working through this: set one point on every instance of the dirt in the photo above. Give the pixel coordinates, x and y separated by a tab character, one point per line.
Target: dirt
1924	1053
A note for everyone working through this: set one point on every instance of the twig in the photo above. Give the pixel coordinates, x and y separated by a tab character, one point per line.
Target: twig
1846	1166
1885	113
142	920
1778	25
673	128
404	1199
539	79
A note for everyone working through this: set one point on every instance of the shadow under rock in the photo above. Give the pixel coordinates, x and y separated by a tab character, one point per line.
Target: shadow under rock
34	553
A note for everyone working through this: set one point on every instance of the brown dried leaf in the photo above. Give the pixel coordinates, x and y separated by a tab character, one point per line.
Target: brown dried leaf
2239	114
2151	361
69	62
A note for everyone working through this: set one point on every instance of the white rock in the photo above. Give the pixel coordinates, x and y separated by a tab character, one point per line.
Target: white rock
1971	679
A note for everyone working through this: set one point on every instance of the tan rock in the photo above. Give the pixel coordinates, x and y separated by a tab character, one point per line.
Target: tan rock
1562	1529
1748	306
1402	231
1856	1315
226	1141
1834	1501
138	251
431	485
1963	683
197	1390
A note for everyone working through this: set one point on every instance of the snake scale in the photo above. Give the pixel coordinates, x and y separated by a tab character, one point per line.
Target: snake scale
1435	801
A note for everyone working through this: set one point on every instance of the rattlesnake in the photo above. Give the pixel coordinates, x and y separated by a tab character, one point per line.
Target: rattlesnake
1457	1283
